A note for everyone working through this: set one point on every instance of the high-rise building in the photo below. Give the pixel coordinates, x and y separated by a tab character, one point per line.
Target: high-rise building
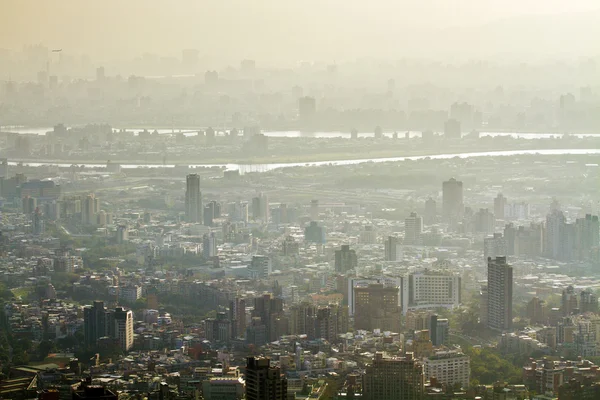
95	323
587	236
193	199
316	322
397	378
290	247
314	233
431	289
554	239
218	329
393	249
89	210
499	294
452	129
449	368
376	307
307	107
260	207
123	324
439	329
484	221
345	259
209	245
263	381
452	202
430	216
268	312
368	235
413	229
260	267
237	315
494	246
499	206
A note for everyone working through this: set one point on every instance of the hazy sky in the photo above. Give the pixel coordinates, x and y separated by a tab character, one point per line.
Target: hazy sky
292	30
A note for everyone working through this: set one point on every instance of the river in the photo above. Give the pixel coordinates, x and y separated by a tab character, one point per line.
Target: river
248	168
319	135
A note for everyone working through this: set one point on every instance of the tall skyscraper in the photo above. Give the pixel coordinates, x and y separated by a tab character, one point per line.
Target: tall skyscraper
452	129
413	229
209	245
95	323
345	259
123	324
260	207
393	249
587	236
452	202
193	199
398	378
376	307
89	209
499	205
555	228
430	216
499	294
263	381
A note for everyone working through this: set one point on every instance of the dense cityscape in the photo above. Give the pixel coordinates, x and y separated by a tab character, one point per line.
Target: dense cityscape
370	229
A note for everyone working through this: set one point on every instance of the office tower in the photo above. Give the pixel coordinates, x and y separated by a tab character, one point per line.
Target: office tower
452	129
353	134
29	204
568	303
376	307
260	267
413	229
345	259
260	207
89	209
484	221
37	222
510	237
499	206
100	74
314	233
218	329
431	289
268	311
500	290
529	241
516	211
209	245
449	368
368	235
307	107
439	329
95	323
555	232
588	301
193	199
237	315
537	311
123	323
122	234
430	216
290	246
378	132
316	322
397	378
452	202
483	305
263	381
393	249
421	345
494	246
587	236
223	388
314	209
